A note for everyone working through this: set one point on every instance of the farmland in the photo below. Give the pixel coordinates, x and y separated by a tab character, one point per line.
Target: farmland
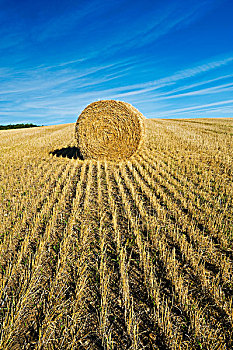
130	255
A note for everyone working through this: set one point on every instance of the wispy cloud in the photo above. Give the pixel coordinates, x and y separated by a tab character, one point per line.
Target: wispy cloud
211	90
199	83
191	72
41	78
167	18
61	25
58	58
68	84
172	79
198	108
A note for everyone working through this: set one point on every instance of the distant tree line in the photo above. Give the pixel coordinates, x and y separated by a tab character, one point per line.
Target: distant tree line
17	126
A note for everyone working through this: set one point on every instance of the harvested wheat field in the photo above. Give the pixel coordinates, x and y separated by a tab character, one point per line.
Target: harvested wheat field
129	255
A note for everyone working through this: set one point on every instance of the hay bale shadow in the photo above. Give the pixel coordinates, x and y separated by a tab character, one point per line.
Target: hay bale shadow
68	152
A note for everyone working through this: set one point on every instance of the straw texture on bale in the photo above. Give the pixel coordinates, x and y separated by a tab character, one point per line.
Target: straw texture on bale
111	130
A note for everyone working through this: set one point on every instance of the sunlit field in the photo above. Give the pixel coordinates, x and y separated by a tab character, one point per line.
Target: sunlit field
129	255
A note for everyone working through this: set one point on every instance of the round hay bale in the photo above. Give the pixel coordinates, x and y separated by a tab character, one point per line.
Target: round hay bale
111	130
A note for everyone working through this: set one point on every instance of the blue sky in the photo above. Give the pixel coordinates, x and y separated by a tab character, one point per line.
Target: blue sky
170	59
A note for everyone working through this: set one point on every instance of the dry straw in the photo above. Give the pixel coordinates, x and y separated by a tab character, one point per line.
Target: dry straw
111	130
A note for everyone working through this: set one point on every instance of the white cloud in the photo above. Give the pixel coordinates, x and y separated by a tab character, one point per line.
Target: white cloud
193	108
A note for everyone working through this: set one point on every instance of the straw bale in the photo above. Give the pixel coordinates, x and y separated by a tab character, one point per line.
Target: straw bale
111	130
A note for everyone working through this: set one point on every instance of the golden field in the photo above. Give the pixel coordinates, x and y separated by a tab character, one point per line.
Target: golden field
129	255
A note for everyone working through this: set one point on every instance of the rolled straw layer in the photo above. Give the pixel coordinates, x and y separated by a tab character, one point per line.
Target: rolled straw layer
111	130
